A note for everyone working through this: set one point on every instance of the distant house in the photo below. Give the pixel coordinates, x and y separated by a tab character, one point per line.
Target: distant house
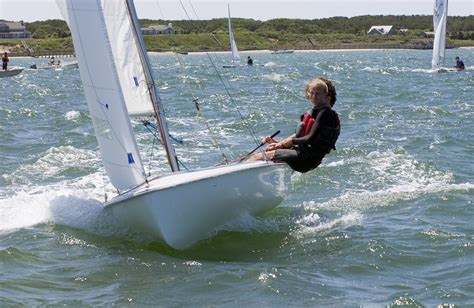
13	30
158	29
382	30
428	34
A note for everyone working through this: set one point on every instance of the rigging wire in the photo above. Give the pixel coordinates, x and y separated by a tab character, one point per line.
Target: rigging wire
161	12
195	14
152	152
199	114
247	125
153	129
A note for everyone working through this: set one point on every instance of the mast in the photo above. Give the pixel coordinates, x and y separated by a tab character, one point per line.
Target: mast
155	98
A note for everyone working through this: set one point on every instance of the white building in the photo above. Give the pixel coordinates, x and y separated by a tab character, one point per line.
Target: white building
13	30
158	29
382	30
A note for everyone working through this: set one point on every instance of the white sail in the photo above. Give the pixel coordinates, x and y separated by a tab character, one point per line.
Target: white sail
440	16
233	45
101	78
127	59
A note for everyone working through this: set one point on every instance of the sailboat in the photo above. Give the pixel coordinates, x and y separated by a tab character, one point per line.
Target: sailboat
233	46
180	208
440	16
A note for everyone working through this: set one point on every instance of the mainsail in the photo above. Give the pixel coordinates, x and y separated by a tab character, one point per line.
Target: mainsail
233	45
440	16
110	81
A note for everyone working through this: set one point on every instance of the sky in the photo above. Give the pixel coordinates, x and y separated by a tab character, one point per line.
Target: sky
34	10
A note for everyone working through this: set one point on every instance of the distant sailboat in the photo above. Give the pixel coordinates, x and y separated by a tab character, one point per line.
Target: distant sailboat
182	207
440	16
233	46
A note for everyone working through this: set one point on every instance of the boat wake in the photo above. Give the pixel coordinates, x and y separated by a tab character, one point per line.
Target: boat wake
60	206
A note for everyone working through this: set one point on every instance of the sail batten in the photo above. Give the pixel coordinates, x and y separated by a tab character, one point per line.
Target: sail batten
440	16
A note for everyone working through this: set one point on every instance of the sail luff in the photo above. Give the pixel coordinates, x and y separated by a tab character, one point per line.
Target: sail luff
157	104
103	92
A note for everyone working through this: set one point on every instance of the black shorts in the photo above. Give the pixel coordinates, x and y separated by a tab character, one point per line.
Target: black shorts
301	161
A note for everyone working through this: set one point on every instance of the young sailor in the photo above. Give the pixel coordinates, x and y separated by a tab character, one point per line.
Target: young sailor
459	64
317	133
249	61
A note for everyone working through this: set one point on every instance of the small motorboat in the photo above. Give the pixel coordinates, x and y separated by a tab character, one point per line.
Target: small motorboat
56	65
281	51
11	71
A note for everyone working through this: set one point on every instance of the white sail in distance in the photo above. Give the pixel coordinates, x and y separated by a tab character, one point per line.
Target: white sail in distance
440	17
102	86
233	45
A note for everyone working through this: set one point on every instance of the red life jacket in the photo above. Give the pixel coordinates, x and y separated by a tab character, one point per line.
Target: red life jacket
326	135
308	122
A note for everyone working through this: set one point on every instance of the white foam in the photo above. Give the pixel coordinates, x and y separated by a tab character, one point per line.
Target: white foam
270	64
276	77
72	115
53	163
62	206
306	227
336	163
75	203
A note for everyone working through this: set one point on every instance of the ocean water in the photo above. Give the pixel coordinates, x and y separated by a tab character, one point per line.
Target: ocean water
386	220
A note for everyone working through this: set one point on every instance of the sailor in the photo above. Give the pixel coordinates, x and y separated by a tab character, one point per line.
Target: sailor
51	61
317	133
459	64
5	61
249	61
300	129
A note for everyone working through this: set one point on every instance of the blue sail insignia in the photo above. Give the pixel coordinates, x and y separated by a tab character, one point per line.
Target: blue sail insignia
130	158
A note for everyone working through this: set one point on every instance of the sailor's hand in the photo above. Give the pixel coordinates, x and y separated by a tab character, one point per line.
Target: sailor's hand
268	139
274	146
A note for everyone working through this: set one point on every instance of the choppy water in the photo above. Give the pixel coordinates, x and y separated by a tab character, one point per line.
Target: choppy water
386	220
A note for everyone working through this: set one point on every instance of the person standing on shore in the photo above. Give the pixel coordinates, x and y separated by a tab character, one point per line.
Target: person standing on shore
5	61
317	137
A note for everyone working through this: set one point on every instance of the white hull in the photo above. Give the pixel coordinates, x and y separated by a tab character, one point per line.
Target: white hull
183	208
283	51
65	65
445	70
10	72
233	66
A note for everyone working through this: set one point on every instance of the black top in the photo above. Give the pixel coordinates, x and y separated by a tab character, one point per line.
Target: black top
323	117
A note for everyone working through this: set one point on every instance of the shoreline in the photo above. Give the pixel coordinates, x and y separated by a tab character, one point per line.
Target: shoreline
259	51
